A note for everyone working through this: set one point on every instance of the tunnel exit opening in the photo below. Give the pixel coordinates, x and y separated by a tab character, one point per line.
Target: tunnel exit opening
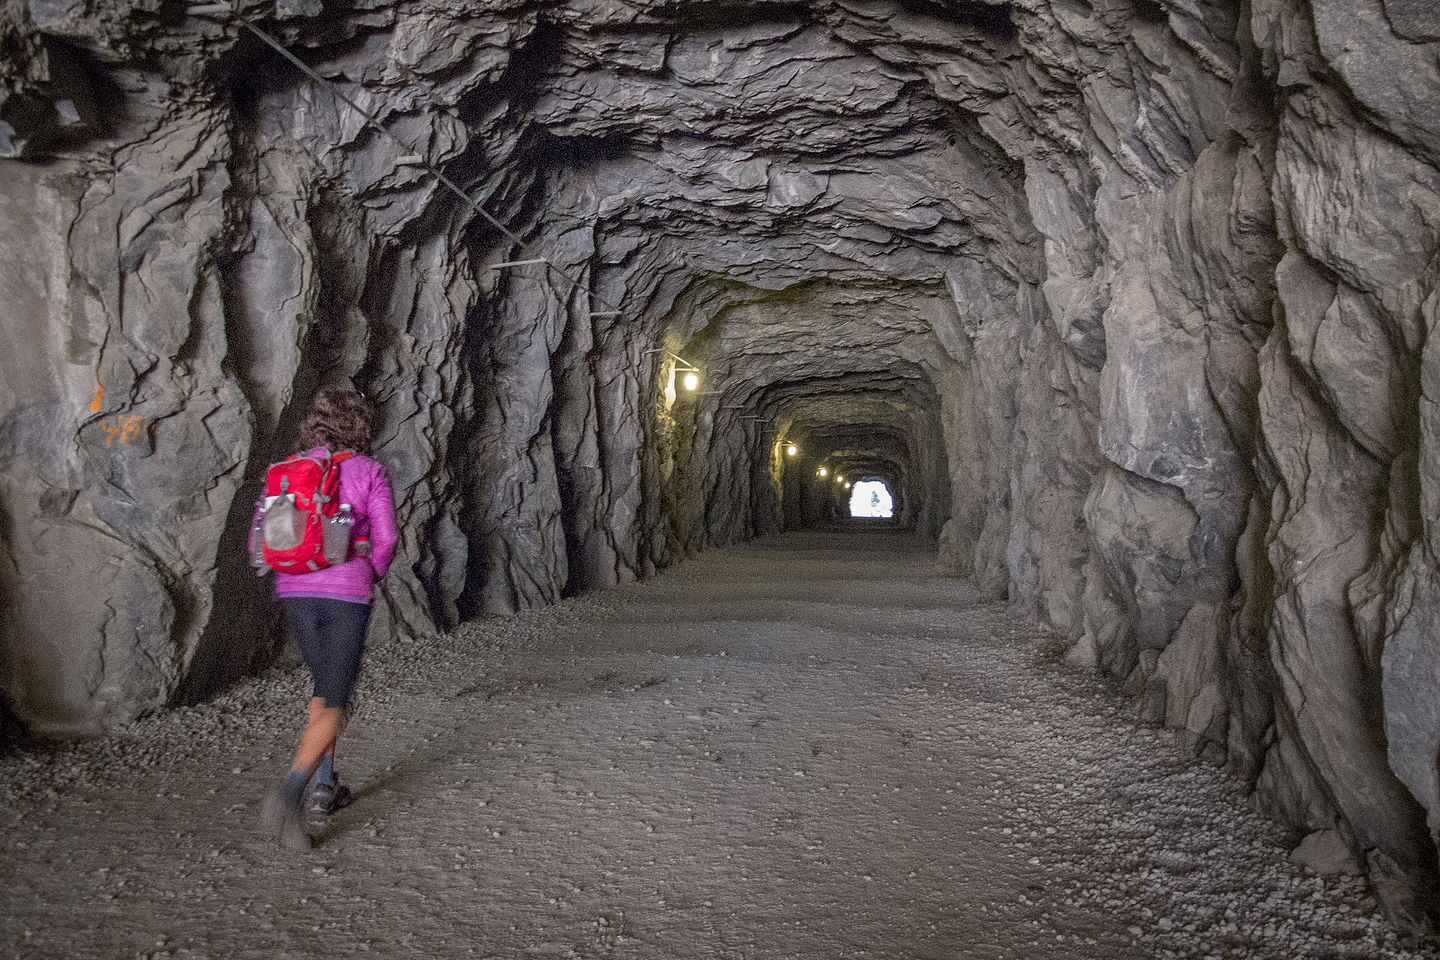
870	499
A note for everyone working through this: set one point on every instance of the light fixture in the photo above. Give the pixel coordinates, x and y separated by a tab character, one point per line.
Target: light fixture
847	484
691	380
791	450
823	472
839	478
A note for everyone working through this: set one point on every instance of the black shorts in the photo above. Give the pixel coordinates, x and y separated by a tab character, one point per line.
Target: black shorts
331	638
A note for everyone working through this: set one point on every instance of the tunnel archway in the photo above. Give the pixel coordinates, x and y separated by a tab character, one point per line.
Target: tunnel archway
1127	302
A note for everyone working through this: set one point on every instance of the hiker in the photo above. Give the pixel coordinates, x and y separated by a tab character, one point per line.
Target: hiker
328	609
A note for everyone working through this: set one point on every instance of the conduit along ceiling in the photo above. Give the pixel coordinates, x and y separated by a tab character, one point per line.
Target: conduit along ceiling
1126	301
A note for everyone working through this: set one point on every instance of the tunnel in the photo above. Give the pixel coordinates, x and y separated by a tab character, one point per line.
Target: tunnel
1125	303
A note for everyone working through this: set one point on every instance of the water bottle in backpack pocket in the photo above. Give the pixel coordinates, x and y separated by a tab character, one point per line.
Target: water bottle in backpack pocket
339	533
302	526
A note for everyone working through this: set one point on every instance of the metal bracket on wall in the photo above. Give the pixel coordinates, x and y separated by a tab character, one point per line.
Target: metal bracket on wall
518	263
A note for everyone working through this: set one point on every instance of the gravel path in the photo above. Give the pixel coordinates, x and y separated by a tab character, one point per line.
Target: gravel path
808	747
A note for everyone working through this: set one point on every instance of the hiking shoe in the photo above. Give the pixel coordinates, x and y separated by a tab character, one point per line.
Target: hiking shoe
326	798
284	822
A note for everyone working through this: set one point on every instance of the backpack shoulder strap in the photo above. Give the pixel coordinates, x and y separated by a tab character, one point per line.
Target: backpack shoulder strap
343	455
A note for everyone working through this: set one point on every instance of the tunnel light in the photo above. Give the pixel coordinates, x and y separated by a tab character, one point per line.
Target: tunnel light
791	450
822	472
839	478
847	485
691	380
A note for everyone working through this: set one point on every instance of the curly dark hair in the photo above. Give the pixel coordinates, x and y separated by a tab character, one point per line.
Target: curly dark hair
339	418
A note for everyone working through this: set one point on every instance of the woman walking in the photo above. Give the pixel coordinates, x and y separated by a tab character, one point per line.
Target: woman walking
327	610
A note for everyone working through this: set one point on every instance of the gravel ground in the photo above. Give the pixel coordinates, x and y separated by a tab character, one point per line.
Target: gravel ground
810	747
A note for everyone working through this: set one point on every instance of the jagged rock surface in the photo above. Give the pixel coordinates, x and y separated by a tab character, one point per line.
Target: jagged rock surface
1129	302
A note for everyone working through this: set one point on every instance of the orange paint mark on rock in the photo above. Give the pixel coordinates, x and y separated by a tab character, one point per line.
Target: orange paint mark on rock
99	398
125	429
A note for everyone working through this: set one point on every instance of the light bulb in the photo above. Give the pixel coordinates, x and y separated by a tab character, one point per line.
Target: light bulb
847	486
792	450
692	380
839	478
824	472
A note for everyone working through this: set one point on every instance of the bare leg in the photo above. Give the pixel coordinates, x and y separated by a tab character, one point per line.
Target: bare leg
321	732
317	704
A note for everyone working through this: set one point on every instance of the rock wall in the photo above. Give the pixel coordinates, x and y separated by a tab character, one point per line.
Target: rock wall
1129	300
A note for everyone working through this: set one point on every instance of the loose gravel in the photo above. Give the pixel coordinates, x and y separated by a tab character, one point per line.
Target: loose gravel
809	747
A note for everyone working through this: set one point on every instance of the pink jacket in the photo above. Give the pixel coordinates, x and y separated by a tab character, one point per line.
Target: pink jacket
364	487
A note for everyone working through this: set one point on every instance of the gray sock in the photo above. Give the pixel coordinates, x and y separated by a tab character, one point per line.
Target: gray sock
295	782
325	773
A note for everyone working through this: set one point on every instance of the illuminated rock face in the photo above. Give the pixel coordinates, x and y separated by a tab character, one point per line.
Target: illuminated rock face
1129	306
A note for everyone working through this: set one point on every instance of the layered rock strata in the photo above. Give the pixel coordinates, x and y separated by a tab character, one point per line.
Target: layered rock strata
1129	301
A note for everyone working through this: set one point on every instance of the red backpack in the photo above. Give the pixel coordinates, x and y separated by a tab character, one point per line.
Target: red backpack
302	526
